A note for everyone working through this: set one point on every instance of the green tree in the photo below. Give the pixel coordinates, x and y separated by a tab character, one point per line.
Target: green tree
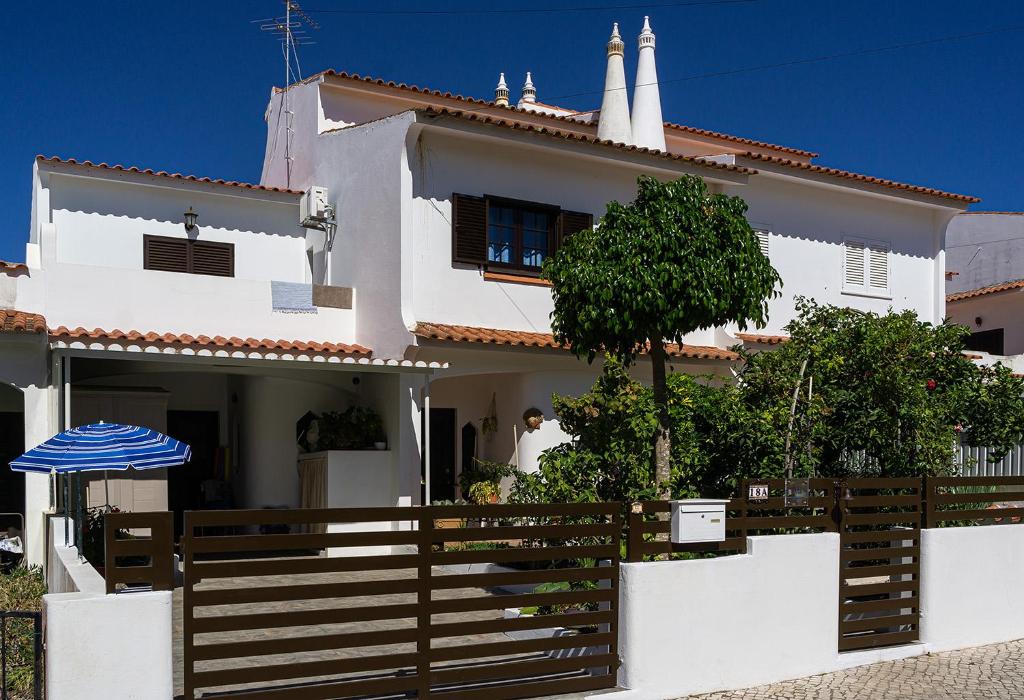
612	427
677	259
885	395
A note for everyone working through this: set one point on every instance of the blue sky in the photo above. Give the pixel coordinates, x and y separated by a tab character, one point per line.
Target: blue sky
182	86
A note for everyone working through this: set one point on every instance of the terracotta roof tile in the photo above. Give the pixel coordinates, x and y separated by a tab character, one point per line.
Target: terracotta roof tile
993	289
529	339
845	174
162	173
9	268
12	321
583	138
355	77
63	332
737	139
762	339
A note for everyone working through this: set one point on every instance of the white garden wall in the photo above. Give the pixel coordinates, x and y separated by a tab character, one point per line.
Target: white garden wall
99	645
731	622
971	586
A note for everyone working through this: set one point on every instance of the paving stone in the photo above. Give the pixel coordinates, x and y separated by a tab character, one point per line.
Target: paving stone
994	671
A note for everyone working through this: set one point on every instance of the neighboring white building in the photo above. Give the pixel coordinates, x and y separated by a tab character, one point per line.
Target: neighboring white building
227	333
985	283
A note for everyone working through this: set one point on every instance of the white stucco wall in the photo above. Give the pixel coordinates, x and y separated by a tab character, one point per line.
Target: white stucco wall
269	408
90	237
108	646
731	622
970	585
98	645
808	225
367	178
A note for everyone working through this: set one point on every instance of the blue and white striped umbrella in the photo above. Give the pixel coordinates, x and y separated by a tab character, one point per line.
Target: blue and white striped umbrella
103	446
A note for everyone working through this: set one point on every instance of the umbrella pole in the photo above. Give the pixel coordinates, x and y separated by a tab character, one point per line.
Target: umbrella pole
106	490
81	514
66	512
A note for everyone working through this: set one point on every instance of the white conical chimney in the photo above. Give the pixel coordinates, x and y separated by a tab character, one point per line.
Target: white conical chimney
501	92
648	128
529	91
613	121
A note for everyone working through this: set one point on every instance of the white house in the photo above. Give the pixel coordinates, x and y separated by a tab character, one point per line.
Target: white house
423	303
985	284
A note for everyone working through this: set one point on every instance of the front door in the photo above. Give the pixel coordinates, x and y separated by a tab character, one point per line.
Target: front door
200	430
442	454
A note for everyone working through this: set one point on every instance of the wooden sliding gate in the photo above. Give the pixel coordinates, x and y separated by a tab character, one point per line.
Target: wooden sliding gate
880	561
497	601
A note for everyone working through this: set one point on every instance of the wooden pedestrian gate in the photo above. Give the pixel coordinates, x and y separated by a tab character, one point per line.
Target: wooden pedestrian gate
879	523
497	601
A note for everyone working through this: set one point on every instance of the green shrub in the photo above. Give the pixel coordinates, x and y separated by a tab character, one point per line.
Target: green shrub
21	589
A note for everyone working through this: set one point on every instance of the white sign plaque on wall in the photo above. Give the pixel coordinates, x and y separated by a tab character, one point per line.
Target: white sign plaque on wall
757	493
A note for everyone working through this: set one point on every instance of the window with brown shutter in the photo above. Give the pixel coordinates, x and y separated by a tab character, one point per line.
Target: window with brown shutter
183	255
574	222
509	234
469	229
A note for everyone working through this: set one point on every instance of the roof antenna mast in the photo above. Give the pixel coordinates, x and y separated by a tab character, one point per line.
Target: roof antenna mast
290	30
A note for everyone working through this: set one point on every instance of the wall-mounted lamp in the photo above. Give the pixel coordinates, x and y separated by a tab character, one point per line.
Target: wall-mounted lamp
190	220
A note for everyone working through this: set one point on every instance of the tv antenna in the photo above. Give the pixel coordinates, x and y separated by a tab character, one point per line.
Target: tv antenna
292	30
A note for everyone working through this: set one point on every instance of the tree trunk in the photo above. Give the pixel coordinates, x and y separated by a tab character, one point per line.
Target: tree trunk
662	436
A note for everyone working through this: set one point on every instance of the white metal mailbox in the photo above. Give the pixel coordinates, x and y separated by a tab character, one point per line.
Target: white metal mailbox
698	520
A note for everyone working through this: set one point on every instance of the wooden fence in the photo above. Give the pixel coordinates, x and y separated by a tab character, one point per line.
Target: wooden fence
139	551
649	526
443	623
971	500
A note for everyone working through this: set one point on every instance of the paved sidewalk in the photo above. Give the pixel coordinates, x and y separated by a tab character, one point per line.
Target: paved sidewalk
995	671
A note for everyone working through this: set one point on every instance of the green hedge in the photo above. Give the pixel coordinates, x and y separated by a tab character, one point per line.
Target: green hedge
21	589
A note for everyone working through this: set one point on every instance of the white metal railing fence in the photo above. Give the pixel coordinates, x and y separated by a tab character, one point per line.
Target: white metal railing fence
974	462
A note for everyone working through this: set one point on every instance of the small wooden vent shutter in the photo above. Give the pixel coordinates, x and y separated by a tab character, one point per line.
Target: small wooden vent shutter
209	258
854	264
762	240
571	222
165	254
878	275
469	229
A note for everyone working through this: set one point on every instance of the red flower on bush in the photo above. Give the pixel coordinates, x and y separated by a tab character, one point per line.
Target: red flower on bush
932	384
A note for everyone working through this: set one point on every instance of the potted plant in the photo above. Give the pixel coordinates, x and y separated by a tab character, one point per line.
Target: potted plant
355	428
484	492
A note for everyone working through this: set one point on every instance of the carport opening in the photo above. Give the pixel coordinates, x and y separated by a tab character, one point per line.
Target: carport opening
12	445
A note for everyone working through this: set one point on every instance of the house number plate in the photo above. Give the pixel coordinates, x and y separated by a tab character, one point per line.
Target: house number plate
757	493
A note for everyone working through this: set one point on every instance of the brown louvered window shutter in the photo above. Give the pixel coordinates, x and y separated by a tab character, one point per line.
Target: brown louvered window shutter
469	229
165	254
183	255
209	258
571	222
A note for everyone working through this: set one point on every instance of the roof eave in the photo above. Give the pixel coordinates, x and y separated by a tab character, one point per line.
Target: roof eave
150	178
580	145
893	190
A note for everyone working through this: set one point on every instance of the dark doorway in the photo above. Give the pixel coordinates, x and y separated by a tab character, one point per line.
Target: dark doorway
986	341
12	483
468	448
442	454
201	430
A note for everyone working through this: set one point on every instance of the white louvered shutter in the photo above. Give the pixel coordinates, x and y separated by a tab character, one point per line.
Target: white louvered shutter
762	240
853	264
878	266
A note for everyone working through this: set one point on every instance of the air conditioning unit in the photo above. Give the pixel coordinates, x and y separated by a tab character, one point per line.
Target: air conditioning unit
314	209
